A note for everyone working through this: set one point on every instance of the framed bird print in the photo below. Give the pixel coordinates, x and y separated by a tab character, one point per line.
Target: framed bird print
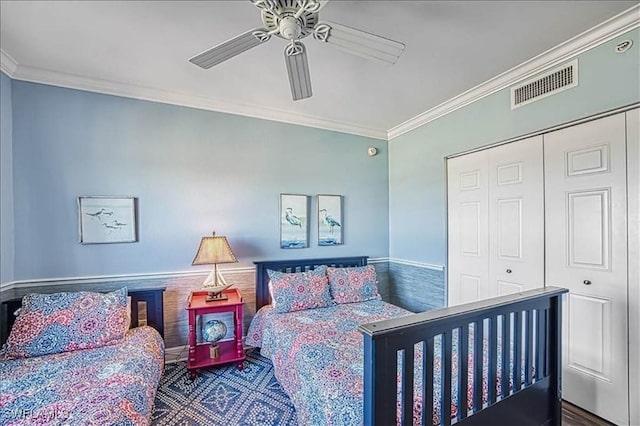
330	220
107	220
294	221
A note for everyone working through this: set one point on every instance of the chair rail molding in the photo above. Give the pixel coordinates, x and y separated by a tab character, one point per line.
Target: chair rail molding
45	282
417	264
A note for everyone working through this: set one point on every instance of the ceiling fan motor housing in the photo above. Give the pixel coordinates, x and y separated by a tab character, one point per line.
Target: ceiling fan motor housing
282	18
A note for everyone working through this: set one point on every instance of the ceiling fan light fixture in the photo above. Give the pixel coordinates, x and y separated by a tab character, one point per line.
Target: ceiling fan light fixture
290	28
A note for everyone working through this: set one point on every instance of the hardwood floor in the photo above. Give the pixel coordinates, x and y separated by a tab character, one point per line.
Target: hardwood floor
575	416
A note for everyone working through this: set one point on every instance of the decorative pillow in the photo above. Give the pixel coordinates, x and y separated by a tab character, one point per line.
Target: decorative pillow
63	322
349	285
299	290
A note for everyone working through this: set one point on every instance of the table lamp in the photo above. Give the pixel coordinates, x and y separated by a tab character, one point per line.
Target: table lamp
214	250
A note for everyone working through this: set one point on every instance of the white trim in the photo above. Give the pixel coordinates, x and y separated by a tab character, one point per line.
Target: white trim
54	78
417	264
115	278
8	65
571	48
97	279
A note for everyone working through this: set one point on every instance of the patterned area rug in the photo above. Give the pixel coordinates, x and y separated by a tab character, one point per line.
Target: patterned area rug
223	396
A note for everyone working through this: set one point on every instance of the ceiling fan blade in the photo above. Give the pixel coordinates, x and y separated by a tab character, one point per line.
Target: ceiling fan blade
358	42
265	5
231	48
295	56
313	6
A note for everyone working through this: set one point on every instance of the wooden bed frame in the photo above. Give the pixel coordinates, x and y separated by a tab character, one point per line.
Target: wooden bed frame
153	297
534	320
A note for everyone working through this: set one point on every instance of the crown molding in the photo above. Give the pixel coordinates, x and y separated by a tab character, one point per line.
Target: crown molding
601	33
39	75
8	65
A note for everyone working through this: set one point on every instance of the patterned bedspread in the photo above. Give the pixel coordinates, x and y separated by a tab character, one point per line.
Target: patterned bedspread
318	360
102	386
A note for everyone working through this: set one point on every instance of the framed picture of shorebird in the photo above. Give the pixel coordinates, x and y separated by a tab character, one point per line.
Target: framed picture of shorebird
294	221
330	221
107	220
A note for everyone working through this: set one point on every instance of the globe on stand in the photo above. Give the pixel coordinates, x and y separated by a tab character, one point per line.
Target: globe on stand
212	332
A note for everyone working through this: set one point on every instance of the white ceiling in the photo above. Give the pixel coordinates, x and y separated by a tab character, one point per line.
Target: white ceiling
451	46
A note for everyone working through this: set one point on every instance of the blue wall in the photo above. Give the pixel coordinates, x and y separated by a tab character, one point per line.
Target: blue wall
417	193
6	181
193	171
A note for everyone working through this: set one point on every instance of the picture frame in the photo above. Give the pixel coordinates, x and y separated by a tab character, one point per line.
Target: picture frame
330	220
294	221
106	220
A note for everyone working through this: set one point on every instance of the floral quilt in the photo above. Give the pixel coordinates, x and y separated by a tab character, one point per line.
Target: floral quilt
102	386
318	360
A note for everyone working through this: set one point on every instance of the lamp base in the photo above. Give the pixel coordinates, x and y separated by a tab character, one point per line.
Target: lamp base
214	351
216	297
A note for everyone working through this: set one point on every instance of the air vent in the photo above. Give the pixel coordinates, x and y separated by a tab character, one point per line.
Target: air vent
550	83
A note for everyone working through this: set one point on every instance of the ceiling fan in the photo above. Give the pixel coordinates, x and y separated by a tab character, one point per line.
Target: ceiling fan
294	20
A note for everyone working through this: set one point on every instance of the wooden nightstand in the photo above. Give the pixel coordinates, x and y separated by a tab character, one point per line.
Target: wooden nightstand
230	351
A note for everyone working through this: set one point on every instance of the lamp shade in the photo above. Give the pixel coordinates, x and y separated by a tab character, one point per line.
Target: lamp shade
214	250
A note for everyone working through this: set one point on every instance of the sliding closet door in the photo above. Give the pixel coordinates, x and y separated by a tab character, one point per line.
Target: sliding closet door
516	217
586	252
468	228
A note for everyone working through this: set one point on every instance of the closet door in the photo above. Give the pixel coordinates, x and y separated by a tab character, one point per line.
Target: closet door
633	184
516	217
586	252
468	228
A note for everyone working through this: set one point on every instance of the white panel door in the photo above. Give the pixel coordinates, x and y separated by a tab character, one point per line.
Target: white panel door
516	217
468	276
586	252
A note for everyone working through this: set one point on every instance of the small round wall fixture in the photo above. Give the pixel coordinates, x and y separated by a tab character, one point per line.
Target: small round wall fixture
372	151
623	46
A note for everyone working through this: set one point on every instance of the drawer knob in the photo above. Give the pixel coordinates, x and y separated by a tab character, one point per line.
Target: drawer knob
586	282
508	271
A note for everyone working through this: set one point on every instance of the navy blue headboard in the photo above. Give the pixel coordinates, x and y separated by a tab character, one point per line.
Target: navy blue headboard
153	297
296	265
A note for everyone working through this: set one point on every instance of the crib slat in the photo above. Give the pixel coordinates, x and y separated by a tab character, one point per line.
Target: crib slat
528	356
493	350
445	410
427	380
463	370
478	340
540	330
547	347
505	368
517	345
407	386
